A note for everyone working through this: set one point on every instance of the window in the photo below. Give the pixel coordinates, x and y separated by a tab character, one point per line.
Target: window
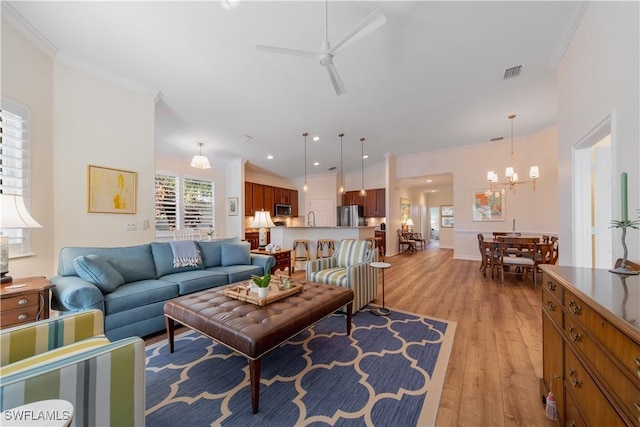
15	164
184	203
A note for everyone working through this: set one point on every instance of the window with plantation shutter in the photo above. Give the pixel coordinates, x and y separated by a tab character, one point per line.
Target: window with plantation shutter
183	203
15	165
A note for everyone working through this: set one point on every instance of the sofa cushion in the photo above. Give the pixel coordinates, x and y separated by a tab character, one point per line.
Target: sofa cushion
212	251
352	252
99	271
235	254
238	273
198	280
163	260
133	262
138	294
331	276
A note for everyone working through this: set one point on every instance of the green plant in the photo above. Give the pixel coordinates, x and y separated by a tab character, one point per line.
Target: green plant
261	282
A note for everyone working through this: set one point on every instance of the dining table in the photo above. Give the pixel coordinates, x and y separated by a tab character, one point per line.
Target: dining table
517	246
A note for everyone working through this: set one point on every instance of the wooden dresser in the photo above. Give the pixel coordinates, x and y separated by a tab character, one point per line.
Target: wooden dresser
25	300
591	345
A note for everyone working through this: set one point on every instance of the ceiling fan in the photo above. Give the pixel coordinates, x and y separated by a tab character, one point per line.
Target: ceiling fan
365	27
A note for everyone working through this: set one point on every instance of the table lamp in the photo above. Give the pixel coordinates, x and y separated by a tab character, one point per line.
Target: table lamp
409	225
13	214
262	221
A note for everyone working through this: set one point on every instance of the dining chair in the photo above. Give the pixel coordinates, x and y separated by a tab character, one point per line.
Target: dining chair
521	264
186	234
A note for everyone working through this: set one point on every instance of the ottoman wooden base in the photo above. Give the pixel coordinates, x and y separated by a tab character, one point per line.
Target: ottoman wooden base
252	330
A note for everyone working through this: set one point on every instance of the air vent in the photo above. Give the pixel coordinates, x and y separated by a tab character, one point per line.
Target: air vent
244	138
500	138
332	168
512	72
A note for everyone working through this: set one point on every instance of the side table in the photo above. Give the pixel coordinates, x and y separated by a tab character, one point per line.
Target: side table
283	259
25	300
382	311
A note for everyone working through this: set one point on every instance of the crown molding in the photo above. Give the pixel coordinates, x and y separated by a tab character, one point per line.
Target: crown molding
576	13
24	27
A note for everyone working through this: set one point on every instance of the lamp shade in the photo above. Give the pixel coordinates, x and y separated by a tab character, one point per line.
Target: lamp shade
14	214
262	220
200	162
409	222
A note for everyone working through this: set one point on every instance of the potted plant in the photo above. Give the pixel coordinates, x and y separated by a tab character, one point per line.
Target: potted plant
262	283
210	233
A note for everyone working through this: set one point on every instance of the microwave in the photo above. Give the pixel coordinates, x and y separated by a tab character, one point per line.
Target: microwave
282	210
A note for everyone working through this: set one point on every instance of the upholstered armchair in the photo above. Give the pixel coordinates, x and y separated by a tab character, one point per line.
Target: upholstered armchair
69	357
349	268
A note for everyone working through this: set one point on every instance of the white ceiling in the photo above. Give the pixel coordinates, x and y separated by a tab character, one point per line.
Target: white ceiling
430	78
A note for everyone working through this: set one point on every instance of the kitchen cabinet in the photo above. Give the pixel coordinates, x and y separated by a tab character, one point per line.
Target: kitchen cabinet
248	199
591	345
374	202
293	194
259	197
268	199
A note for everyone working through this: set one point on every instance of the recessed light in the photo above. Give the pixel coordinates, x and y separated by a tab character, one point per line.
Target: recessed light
316	163
270	157
365	156
316	138
429	180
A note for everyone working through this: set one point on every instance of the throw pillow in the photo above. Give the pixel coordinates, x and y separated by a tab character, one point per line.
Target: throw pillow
98	271
235	254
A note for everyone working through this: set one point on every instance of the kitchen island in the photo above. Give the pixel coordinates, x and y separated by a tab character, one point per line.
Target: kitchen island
284	236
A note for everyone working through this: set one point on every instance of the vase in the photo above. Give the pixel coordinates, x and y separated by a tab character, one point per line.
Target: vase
263	292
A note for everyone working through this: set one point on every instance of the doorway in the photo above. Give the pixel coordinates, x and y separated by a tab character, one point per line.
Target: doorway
434	218
593	239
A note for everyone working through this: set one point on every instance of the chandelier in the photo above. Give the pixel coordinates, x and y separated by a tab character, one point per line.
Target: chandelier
510	173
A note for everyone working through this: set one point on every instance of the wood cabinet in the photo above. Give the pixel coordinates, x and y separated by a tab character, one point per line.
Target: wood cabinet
264	197
24	301
253	237
374	202
283	259
591	349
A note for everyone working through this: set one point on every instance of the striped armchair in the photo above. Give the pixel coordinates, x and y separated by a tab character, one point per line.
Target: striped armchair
68	357
349	268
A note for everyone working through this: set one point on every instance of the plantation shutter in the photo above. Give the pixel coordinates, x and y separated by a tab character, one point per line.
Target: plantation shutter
198	203
166	202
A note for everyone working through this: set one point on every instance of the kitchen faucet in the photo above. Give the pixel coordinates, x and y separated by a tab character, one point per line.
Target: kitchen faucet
309	216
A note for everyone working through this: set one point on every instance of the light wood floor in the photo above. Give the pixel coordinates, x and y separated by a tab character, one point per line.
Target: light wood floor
496	360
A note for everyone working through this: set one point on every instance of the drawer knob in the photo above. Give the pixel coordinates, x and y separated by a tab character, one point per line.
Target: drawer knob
22	316
572	423
574	308
575	337
550	306
551	286
575	381
22	301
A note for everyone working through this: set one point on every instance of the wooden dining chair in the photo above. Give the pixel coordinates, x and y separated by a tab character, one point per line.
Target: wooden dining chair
521	264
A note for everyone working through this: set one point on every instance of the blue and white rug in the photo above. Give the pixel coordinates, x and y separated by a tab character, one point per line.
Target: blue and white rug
389	372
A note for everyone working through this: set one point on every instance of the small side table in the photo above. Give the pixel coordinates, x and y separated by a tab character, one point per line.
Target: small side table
382	311
283	259
25	300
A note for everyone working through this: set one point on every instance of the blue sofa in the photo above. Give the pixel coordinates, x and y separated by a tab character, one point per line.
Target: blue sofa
131	284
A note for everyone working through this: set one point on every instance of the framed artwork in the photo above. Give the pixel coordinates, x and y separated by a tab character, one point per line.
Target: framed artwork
405	210
488	205
446	210
111	190
447	221
232	206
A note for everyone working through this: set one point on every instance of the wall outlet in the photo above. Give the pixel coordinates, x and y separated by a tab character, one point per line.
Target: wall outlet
144	224
130	226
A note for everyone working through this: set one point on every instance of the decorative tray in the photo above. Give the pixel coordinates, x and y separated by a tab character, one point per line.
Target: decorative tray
242	292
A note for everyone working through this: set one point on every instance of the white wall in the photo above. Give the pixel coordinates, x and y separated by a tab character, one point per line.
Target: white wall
597	76
26	79
103	124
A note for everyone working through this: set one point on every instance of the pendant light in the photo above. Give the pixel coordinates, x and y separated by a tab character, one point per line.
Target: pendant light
305	187
199	161
341	189
363	192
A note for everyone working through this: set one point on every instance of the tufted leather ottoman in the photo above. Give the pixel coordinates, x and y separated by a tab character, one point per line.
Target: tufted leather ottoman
252	330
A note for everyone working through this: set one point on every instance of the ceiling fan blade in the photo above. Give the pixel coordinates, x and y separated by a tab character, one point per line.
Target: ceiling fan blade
335	79
368	25
285	51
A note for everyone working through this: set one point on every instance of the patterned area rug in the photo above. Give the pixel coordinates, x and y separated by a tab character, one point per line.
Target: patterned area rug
389	372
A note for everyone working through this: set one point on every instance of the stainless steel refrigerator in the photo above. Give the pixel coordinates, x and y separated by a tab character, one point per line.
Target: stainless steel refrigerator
350	216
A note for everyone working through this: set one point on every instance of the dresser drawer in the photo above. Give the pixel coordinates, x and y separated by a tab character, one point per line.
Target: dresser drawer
552	306
594	406
574	417
552	287
18	316
621	346
21	301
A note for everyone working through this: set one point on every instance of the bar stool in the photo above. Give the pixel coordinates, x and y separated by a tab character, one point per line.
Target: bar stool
379	243
322	244
294	253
